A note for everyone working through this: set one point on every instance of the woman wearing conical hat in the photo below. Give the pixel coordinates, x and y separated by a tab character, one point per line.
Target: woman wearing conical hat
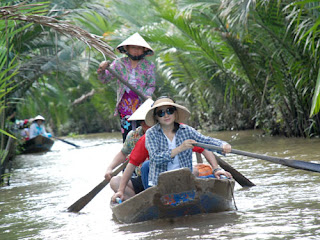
37	127
136	70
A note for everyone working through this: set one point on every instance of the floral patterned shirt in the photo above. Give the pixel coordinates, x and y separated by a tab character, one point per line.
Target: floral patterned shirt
131	140
129	103
144	75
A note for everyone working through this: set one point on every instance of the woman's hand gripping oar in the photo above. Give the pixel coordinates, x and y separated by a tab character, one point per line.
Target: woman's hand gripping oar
82	202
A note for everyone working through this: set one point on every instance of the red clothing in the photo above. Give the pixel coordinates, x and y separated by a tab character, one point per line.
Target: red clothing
197	149
139	154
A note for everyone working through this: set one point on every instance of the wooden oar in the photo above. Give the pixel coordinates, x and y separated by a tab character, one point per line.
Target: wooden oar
242	180
298	164
199	158
67	142
82	202
114	73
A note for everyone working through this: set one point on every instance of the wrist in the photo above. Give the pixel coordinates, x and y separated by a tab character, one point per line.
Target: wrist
216	170
121	190
175	151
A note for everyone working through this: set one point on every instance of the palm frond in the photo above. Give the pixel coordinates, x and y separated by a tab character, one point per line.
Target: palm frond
20	13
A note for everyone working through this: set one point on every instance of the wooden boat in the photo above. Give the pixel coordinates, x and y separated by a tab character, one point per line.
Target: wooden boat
37	144
178	193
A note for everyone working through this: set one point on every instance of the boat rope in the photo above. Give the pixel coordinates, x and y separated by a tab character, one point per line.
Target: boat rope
234	201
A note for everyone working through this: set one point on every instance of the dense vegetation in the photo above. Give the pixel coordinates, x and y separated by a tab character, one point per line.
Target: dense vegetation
234	64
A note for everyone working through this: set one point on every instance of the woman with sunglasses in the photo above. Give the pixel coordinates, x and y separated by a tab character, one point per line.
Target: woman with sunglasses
169	143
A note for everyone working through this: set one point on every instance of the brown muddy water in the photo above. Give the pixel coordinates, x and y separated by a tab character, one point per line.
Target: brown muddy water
284	204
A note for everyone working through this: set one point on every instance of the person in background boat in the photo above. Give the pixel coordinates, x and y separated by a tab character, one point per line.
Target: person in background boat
130	142
37	127
169	143
137	71
24	132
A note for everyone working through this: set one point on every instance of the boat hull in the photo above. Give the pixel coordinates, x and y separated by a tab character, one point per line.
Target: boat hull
37	144
177	194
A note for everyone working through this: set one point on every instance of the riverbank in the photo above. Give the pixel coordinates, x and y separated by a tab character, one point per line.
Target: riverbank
6	157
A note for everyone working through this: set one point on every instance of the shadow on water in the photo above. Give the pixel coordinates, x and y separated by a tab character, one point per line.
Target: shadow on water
197	226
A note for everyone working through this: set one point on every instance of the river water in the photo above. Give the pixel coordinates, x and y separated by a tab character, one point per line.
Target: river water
283	205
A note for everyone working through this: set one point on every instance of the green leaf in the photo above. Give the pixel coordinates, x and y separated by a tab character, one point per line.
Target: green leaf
8	134
316	98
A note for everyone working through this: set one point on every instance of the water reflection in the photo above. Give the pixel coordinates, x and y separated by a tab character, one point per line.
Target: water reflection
197	227
283	205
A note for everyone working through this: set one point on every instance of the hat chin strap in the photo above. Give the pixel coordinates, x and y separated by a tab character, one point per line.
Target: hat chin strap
136	58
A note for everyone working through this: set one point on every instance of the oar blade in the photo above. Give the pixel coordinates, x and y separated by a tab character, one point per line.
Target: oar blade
82	202
67	142
78	205
309	166
72	144
298	164
241	179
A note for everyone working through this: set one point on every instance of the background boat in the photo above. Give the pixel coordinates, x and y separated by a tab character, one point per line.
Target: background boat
37	144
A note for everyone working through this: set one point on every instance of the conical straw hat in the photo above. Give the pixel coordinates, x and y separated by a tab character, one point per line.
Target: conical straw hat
136	40
39	117
140	113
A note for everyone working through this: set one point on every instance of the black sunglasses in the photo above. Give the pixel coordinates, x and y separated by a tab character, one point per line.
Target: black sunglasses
169	111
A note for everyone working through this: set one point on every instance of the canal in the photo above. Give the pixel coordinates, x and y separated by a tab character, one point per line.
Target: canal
283	205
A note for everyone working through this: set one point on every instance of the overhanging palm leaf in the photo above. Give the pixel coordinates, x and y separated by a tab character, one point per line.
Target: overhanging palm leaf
8	69
19	13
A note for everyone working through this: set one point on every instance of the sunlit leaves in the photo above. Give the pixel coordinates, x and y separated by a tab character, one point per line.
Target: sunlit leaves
316	98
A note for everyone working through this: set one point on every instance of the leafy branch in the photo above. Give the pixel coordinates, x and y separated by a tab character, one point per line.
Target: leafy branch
19	12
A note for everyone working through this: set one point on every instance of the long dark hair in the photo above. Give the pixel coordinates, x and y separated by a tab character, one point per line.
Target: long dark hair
176	127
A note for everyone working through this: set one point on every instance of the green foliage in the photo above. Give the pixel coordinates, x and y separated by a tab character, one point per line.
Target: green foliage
8	68
234	64
60	72
316	98
231	59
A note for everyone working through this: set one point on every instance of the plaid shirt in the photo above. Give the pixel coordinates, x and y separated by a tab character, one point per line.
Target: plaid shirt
160	154
144	75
